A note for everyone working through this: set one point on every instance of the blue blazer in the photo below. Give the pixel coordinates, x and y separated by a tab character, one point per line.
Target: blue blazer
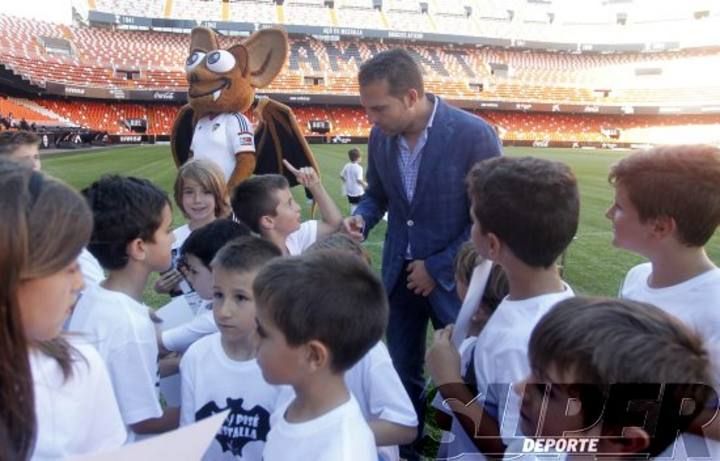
437	220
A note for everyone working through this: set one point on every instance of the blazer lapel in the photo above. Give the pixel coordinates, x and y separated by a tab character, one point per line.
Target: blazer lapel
392	160
436	149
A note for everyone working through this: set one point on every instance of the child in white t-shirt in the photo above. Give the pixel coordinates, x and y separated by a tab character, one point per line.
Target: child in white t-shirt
666	209
267	206
496	289
197	253
201	195
352	179
584	388
525	213
57	399
317	316
220	371
373	381
131	238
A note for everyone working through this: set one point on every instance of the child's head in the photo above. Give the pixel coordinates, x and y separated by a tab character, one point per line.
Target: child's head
319	312
465	262
43	228
354	154
234	269
341	242
44	225
21	145
265	203
496	289
200	191
600	353
528	205
200	248
669	190
133	221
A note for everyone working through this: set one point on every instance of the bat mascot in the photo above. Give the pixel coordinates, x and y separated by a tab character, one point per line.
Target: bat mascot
222	84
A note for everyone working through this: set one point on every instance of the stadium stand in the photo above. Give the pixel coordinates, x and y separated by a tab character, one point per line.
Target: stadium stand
90	56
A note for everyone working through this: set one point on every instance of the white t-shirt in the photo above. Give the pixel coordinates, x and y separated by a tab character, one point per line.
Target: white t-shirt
212	383
298	241
696	301
340	434
90	267
500	357
379	392
220	137
178	339
75	416
351	174
121	330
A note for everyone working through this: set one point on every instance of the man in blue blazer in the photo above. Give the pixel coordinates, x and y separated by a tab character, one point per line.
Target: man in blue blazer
420	150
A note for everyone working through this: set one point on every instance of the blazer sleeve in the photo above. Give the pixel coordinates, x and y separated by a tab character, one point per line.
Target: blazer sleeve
484	144
373	205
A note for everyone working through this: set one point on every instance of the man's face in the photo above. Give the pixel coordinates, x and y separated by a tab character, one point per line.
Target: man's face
28	154
391	114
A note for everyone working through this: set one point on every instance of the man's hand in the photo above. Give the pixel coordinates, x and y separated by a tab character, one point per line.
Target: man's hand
443	359
354	226
418	279
306	176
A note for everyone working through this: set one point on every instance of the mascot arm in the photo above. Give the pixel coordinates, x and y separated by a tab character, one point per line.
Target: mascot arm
278	137
244	167
181	136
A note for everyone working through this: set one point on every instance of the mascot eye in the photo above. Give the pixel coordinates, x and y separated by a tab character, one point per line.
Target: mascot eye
220	61
193	60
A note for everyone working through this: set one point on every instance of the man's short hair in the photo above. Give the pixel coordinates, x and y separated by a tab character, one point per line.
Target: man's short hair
603	342
532	205
246	254
680	182
354	154
329	296
255	198
397	67
205	242
11	140
124	209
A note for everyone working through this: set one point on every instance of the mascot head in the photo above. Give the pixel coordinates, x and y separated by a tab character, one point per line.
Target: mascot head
224	80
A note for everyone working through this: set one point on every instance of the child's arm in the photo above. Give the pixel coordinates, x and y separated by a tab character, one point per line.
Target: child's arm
443	362
331	216
169	364
167	422
387	433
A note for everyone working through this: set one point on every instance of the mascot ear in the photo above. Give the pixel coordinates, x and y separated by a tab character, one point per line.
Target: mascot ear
241	58
203	39
267	50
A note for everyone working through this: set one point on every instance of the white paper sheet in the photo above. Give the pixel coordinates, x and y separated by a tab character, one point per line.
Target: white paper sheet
188	443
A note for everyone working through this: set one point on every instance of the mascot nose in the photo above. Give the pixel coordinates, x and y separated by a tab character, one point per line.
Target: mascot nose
194	78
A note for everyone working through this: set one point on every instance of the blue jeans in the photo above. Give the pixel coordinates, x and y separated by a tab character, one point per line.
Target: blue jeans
406	338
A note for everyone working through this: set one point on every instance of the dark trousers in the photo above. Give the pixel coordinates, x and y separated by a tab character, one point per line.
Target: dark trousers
406	338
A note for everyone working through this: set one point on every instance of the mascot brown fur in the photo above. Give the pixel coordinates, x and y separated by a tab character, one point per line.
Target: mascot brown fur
222	84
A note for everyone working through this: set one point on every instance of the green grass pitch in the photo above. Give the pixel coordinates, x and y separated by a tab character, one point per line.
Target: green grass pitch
592	265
